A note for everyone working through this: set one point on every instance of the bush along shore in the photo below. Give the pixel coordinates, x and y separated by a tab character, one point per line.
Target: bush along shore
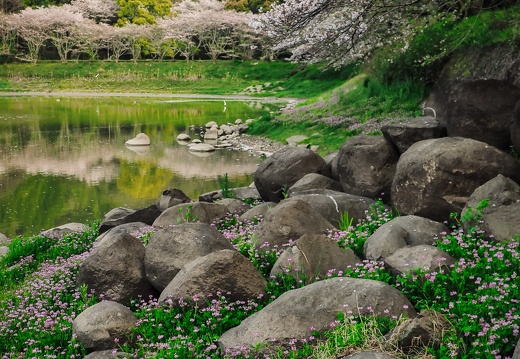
412	254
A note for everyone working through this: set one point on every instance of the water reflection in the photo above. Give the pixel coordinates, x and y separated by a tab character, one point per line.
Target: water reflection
66	160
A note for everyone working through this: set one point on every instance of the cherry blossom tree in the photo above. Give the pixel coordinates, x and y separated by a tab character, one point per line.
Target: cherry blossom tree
62	25
216	29
101	11
31	25
91	38
339	31
7	35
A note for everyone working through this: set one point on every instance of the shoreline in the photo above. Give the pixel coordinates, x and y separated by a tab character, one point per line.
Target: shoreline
151	95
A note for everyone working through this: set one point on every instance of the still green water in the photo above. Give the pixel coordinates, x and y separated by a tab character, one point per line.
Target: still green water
65	160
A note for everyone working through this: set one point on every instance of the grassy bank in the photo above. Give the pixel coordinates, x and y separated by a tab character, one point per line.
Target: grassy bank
282	79
39	300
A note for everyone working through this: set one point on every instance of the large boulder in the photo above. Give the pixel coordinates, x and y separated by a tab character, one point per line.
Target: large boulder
515	127
136	229
366	166
312	257
401	232
334	205
60	231
436	177
422	257
516	354
98	326
121	215
225	271
170	248
500	219
171	197
115	268
482	110
191	212
403	135
281	170
257	212
313	181
297	312
287	222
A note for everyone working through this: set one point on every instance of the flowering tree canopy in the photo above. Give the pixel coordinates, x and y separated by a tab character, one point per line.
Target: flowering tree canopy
339	31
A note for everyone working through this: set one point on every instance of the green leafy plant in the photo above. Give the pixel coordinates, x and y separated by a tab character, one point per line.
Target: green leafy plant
225	186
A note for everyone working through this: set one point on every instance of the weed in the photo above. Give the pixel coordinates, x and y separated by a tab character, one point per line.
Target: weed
225	186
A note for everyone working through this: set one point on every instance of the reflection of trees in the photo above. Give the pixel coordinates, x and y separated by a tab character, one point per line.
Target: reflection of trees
42	202
142	179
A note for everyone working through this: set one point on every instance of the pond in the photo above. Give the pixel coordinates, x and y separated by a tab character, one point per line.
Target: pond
65	160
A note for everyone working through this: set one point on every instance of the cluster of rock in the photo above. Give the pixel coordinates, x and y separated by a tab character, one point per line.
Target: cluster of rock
215	136
419	169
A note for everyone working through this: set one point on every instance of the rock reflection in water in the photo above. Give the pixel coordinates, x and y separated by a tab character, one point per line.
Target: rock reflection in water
72	165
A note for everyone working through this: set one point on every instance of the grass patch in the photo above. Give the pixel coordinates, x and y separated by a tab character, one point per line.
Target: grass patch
361	105
478	296
196	77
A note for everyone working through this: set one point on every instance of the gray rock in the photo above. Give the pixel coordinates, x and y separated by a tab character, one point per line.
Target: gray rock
211	124
287	222
384	242
313	256
202	147
294	140
331	161
400	232
516	354
281	170
242	193
140	140
403	135
183	137
115	268
333	205
191	212
3	251
482	110
98	326
172	197
170	248
257	212
132	228
294	313
3	239
314	181
435	178
366	166
500	219
225	271
426	330
121	215
59	232
424	257
234	205
108	354
515	126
